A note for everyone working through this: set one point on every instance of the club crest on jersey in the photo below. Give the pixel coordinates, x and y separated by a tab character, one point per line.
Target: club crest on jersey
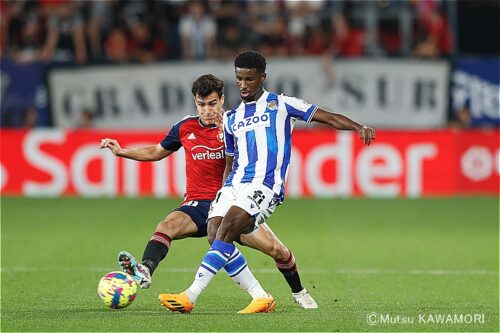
220	136
272	105
251	123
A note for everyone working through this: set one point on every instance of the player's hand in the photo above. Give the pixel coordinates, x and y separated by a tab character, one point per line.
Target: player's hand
113	145
367	134
219	116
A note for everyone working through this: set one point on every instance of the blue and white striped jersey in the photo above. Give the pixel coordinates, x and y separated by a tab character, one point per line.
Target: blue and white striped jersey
259	136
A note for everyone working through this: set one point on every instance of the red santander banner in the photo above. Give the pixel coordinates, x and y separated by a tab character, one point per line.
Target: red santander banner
324	163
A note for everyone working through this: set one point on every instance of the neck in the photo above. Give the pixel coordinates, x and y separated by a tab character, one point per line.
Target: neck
205	125
256	96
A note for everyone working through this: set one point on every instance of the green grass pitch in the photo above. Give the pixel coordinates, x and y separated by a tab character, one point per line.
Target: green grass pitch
384	261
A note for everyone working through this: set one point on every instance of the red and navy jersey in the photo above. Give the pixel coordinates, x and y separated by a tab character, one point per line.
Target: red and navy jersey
205	159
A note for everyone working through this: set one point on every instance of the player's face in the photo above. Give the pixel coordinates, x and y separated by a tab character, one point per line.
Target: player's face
250	83
208	107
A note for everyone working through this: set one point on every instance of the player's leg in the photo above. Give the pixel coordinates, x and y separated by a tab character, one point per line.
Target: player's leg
233	224
217	257
213	225
264	240
220	255
237	267
249	203
177	225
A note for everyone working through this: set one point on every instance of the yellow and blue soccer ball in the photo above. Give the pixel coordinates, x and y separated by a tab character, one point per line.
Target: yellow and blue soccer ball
117	289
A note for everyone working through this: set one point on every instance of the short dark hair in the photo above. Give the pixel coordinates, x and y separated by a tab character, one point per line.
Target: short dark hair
207	84
251	59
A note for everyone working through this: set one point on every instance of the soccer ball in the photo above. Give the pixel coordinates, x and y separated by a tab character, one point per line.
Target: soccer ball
117	289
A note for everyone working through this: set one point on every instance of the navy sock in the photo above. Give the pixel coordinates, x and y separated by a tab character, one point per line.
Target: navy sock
156	250
289	270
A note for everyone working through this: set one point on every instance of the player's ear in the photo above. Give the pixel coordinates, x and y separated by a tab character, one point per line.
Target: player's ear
222	100
263	76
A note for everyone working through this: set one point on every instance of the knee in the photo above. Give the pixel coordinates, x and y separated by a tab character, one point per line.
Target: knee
229	231
233	225
169	227
240	223
213	225
278	251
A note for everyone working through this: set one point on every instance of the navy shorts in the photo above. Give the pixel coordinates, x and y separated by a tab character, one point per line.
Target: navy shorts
198	212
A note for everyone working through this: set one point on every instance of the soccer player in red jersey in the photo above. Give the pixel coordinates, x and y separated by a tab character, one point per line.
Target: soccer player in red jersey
202	140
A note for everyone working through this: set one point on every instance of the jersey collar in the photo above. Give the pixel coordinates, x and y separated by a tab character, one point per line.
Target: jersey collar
203	125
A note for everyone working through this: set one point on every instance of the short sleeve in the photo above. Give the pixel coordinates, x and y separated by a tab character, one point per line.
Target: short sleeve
228	136
299	108
172	141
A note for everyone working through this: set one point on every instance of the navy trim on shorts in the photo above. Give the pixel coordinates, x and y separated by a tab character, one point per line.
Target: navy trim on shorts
197	210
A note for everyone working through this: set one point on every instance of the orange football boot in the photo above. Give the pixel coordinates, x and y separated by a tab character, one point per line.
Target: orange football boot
260	305
176	302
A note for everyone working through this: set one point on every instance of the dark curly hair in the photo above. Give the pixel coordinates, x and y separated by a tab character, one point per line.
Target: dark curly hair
206	84
251	59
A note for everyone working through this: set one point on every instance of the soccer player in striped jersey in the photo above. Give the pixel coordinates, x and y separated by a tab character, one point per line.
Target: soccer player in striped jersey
257	138
202	141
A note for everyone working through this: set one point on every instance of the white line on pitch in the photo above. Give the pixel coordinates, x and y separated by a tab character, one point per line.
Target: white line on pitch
354	271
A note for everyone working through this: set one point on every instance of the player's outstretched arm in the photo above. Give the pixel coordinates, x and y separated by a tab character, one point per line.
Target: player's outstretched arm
342	122
146	153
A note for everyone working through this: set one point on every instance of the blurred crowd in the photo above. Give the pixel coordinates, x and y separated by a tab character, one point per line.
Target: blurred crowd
142	31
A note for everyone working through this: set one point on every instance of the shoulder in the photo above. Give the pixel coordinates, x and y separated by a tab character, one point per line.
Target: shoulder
187	120
230	113
294	102
281	98
287	98
183	123
189	117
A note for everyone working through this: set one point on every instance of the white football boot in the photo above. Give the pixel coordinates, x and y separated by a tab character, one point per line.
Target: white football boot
139	272
304	300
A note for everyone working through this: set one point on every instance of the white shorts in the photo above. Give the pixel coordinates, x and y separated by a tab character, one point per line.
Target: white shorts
256	199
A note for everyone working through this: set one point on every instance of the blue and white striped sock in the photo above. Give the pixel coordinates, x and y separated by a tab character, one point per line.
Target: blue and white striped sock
237	268
214	260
